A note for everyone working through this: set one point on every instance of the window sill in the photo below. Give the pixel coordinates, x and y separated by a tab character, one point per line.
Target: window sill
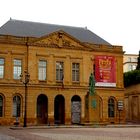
42	81
75	83
1	78
59	81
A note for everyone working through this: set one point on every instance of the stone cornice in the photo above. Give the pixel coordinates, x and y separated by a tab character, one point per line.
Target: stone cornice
61	40
8	39
105	48
37	42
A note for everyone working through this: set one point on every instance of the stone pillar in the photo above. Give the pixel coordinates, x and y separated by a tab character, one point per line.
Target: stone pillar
8	67
67	109
50	69
51	109
105	109
32	66
67	71
83	109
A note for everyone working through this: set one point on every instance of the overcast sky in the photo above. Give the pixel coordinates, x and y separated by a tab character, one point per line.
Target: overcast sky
117	21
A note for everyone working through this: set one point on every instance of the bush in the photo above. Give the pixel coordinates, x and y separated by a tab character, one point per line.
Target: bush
131	78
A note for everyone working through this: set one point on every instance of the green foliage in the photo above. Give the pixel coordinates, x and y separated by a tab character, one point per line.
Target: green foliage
131	78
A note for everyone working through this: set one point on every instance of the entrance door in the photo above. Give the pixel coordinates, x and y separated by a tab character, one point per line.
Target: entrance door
59	110
76	110
42	109
135	108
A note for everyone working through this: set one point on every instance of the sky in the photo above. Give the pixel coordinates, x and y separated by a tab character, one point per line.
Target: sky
116	21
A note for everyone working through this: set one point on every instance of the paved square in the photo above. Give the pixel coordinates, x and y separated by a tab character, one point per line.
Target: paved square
75	133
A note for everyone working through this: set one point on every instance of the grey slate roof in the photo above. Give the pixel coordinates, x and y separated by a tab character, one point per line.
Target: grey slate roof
35	29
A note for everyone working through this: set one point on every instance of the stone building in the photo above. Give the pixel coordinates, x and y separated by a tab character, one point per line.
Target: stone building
44	75
132	92
132	103
129	62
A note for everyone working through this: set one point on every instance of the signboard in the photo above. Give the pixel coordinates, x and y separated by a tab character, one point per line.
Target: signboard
105	71
120	105
94	103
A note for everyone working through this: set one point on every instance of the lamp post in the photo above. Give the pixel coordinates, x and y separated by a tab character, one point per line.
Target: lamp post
24	78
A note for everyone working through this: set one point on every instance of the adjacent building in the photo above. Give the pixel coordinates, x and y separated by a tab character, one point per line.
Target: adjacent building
132	103
132	93
44	75
130	62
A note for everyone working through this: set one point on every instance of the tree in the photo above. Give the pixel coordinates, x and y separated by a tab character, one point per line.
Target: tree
91	84
138	63
131	78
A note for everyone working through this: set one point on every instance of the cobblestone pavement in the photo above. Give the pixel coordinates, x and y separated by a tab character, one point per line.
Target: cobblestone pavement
83	133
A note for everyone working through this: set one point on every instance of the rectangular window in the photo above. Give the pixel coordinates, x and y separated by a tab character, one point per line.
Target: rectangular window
129	59
1	67
135	60
75	72
42	69
17	68
59	71
130	67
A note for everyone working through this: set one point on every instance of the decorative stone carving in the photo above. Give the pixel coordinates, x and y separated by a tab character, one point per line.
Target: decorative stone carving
60	40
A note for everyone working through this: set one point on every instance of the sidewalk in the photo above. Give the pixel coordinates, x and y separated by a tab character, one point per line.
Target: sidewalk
71	132
123	125
76	126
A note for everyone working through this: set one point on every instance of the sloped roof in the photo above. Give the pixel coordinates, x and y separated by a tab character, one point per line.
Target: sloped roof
35	29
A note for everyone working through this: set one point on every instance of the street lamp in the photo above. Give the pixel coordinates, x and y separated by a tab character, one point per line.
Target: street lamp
24	78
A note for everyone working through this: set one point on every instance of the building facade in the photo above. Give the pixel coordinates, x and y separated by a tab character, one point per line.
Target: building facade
132	93
44	75
130	62
132	103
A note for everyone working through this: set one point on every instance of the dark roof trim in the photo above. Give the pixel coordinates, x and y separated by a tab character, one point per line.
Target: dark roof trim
34	29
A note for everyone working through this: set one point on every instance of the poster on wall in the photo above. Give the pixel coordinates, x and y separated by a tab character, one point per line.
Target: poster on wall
105	71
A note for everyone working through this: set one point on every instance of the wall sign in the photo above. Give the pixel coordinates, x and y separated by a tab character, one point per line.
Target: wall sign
120	105
94	103
105	71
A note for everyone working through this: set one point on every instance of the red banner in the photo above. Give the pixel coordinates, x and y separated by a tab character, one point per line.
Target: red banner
105	71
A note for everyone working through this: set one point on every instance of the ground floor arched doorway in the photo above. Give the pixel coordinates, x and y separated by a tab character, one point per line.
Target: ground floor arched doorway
42	109
59	110
76	109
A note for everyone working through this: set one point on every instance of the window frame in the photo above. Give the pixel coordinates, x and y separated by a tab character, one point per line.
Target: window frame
3	68
16	106
18	71
75	72
59	71
129	59
42	68
111	107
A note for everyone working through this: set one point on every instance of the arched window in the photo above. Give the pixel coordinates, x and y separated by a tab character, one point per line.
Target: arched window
1	106
111	107
16	106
